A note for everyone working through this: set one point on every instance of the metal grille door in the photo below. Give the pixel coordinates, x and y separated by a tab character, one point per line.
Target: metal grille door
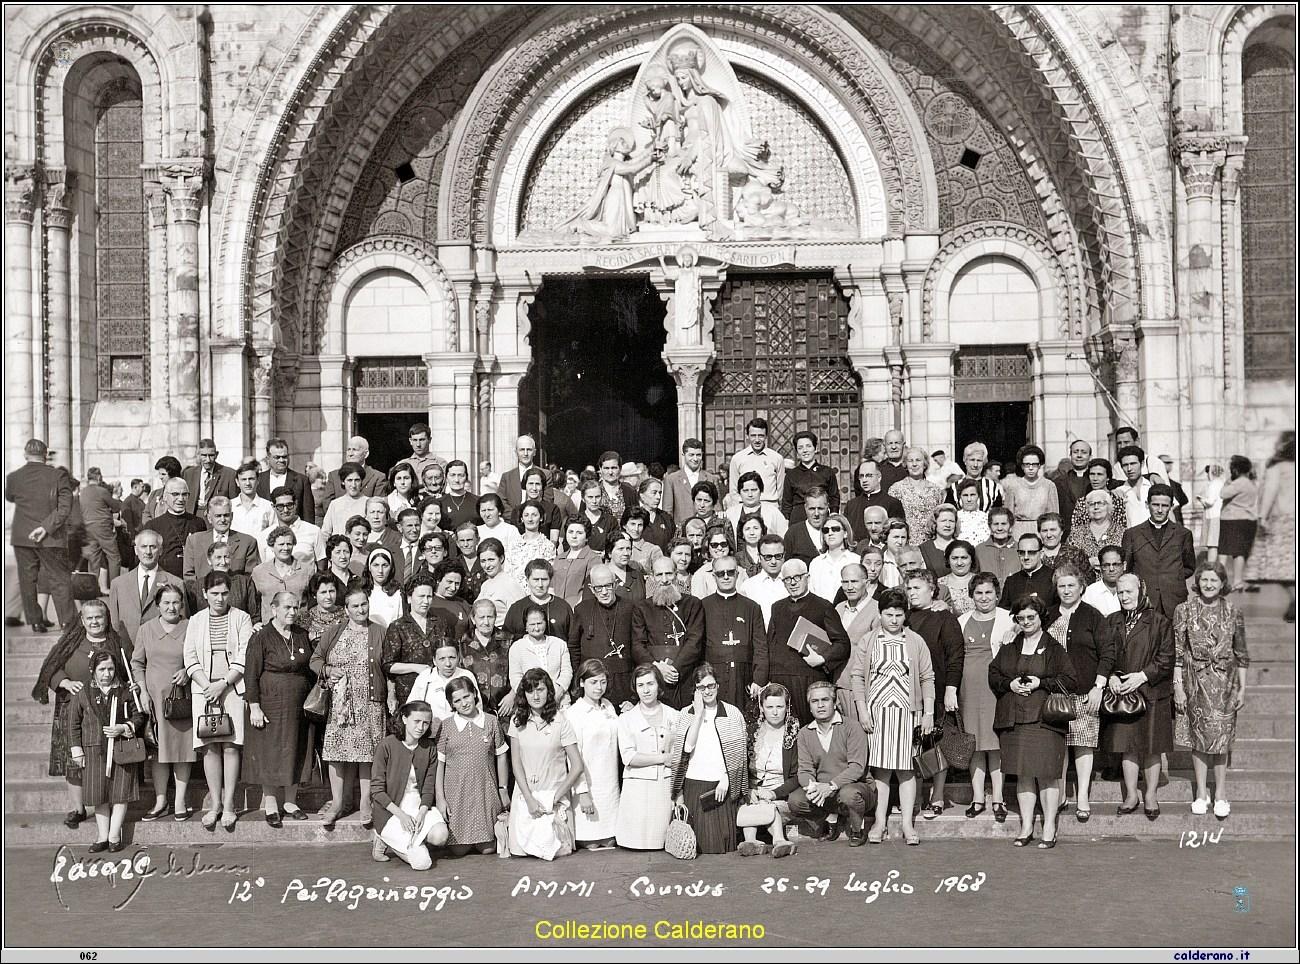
782	354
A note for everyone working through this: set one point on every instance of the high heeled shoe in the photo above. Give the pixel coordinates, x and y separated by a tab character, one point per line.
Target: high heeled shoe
1122	810
1023	841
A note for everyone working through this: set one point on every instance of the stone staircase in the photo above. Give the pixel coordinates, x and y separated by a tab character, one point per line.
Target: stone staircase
1262	774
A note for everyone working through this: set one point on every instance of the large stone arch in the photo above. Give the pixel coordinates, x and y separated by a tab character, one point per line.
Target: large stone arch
557	44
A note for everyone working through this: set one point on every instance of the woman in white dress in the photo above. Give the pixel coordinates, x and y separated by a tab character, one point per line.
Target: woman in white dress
824	571
384	586
650	742
595	721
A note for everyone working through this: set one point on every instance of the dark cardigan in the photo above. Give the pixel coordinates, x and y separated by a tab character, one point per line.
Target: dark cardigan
393	761
1090	644
789	759
1002	672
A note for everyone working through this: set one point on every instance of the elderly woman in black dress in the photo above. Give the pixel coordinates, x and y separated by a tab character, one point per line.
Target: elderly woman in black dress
67	670
1144	663
102	712
1022	674
947	644
280	744
159	667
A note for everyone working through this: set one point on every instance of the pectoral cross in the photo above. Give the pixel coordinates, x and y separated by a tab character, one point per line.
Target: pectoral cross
675	637
731	639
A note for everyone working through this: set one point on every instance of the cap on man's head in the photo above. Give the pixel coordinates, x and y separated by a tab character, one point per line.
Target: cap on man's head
629	470
35	447
793	567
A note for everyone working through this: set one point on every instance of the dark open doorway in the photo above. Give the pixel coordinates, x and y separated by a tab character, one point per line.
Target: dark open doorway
387	434
598	381
1002	426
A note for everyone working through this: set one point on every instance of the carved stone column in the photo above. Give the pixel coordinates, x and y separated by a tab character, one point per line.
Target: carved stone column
1234	355
20	210
688	366
689	291
159	336
183	182
58	291
263	373
929	373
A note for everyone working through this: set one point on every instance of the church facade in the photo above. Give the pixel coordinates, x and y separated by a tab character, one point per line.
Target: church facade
628	225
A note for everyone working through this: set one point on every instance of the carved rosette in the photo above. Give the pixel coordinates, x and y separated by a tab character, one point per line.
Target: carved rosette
1200	155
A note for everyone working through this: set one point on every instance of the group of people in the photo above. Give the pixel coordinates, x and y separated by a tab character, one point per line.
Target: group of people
562	662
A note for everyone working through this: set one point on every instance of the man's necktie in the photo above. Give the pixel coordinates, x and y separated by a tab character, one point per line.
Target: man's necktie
144	593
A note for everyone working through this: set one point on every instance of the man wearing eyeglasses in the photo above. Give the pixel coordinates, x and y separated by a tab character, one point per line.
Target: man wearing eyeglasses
310	547
279	474
601	628
775	661
1033	579
732	624
175	525
766	586
1103	595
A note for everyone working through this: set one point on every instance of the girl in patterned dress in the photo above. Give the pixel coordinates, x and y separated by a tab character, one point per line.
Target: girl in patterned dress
472	771
1210	661
893	679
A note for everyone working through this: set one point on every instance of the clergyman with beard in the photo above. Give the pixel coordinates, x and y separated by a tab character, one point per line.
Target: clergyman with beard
668	630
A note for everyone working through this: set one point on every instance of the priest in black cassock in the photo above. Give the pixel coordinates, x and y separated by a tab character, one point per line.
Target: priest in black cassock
601	628
732	623
776	662
175	526
668	630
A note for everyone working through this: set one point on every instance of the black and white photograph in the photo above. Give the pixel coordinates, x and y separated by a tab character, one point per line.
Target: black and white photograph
652	479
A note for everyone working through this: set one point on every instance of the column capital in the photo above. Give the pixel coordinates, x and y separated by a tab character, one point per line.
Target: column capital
1234	161
183	178
687	364
20	192
1200	155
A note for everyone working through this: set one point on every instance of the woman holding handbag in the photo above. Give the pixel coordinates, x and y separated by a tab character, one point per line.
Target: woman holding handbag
943	636
1137	709
773	775
547	765
161	682
350	655
650	743
713	776
105	713
215	642
985	628
1022	675
280	747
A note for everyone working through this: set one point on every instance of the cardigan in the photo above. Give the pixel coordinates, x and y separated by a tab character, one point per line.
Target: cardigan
1004	627
1090	643
920	667
1002	672
198	644
947	643
393	761
789	757
378	683
730	725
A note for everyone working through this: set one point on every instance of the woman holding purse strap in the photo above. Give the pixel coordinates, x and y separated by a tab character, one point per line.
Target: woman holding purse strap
216	641
159	667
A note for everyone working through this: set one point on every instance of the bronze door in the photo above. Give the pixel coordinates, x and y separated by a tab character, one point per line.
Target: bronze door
782	354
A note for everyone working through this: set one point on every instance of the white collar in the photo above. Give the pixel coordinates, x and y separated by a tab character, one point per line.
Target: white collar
462	722
837	718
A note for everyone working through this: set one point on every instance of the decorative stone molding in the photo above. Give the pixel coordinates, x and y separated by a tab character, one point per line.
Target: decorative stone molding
1010	241
380	251
58	185
20	192
183	180
1200	155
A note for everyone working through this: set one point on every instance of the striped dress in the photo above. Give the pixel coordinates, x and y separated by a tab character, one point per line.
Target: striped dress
890	706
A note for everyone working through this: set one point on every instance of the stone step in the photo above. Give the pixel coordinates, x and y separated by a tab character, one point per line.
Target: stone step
1270	674
1271	650
31	829
30	643
19	688
1249	786
1270	701
1266	727
1247	820
42	794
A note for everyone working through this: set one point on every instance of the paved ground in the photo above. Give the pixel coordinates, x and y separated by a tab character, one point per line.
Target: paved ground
1117	891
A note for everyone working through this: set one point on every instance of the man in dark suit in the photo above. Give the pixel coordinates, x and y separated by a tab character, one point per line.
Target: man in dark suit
873	494
99	512
208	479
42	498
131	595
407	553
175	526
1033	578
803	540
1160	551
375	483
678	501
279	473
244	555
893	467
732	625
601	628
511	488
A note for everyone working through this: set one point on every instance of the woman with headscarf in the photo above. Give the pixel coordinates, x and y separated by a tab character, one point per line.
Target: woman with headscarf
1144	662
384	586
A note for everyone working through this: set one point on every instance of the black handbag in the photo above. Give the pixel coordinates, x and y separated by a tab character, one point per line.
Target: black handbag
1059	708
1126	705
316	706
927	754
177	704
957	745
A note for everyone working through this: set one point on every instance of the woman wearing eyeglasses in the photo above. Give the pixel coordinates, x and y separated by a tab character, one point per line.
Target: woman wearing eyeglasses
718	545
824	571
1022	675
1031	494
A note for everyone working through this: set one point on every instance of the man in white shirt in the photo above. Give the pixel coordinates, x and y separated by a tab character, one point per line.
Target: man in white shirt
944	470
252	513
1136	485
310	546
766	586
1102	595
1151	468
768	463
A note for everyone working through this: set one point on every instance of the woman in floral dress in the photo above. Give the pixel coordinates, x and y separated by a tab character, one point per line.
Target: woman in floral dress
920	496
351	655
1210	661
